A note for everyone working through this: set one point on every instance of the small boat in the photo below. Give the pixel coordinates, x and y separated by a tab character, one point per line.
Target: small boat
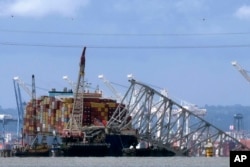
36	151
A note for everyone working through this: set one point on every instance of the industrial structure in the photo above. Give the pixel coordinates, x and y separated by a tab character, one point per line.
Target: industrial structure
71	83
118	96
20	107
6	137
162	124
17	81
4	120
237	127
243	72
74	126
144	122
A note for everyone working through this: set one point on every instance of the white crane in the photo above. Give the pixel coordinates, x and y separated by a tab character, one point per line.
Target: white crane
109	85
241	70
23	85
72	83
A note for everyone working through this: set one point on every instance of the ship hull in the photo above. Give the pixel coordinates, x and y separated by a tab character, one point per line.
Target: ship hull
85	150
32	153
115	145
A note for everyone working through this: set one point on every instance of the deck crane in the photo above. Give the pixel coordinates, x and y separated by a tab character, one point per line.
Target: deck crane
241	70
112	89
74	126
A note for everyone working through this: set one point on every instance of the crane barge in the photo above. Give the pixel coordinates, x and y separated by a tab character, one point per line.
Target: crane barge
85	133
79	140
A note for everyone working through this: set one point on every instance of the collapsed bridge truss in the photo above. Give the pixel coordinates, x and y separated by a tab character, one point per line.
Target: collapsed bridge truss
163	123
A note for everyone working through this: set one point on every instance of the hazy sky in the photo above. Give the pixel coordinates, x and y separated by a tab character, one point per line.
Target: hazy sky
184	46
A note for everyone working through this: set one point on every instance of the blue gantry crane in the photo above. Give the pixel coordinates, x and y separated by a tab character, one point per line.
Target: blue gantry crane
20	107
20	103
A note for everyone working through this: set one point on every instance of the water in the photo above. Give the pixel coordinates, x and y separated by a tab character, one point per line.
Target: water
115	162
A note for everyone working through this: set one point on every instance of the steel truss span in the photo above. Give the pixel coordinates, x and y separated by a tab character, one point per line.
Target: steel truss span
162	123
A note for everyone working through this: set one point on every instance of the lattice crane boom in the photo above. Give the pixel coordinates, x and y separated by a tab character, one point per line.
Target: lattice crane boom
32	93
23	85
71	83
109	85
20	108
74	126
33	96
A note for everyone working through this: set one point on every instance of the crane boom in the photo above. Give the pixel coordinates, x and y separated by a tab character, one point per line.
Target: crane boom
108	84
243	72
72	84
33	96
23	85
20	108
74	126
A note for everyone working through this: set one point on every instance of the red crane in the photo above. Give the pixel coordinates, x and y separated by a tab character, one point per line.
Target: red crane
74	126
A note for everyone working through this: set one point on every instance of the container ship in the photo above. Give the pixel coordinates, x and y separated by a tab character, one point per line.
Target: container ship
53	115
73	123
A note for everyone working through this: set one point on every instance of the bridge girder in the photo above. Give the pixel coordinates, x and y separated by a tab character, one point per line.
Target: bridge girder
163	123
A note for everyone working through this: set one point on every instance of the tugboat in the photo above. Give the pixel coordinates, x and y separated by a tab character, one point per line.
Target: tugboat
37	151
34	150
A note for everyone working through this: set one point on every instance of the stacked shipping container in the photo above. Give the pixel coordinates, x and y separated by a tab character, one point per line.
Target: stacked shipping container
53	114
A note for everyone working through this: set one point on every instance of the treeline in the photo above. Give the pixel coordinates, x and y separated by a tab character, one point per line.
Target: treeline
10	111
224	116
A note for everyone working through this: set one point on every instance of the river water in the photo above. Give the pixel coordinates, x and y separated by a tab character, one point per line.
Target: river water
115	162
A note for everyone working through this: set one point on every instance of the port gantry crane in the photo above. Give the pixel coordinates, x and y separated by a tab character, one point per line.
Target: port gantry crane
74	125
4	120
243	72
20	108
72	83
162	124
112	89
